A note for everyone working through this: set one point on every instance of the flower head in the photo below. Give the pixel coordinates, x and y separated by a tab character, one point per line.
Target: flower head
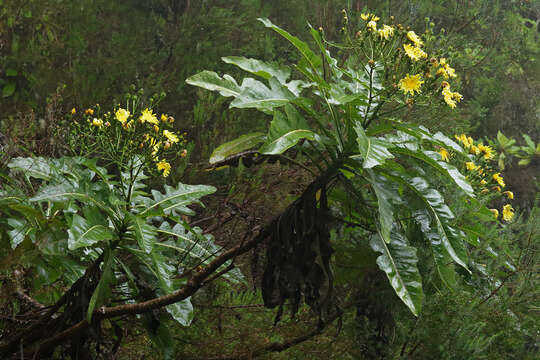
499	179
509	194
495	213
471	166
164	117
89	112
411	35
487	151
508	212
73	111
413	52
386	32
165	166
451	98
410	84
97	122
170	136
365	17
372	25
444	154
122	115
148	116
446	70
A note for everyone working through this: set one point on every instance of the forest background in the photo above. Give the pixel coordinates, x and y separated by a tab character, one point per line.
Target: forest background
59	55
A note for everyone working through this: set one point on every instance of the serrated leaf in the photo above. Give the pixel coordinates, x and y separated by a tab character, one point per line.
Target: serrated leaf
442	258
38	168
374	151
259	68
448	142
209	80
286	141
84	233
144	233
254	94
102	289
398	260
439	214
18	233
177	198
195	248
243	143
431	158
385	197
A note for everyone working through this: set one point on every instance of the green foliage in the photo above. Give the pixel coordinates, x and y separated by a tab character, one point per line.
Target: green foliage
333	109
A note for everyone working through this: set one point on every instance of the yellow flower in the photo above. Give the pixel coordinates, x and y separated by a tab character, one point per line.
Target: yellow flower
474	150
89	112
446	70
495	213
499	179
183	153
415	53
386	32
414	38
165	166
170	136
148	116
365	17
372	25
487	151
375	18
73	111
122	115
410	84
444	154
128	125
508	212
497	188
97	122
471	166
171	119
509	194
164	117
483	182
451	98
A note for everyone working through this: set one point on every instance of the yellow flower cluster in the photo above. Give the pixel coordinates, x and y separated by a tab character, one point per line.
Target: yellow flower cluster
445	70
143	124
507	212
451	98
495	181
386	32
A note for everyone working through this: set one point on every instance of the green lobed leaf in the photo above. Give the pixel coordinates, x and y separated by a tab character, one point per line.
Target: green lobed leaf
254	94
441	256
19	231
441	166
286	141
176	198
209	80
84	233
144	233
439	215
103	289
385	198
259	68
374	151
398	260
243	143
